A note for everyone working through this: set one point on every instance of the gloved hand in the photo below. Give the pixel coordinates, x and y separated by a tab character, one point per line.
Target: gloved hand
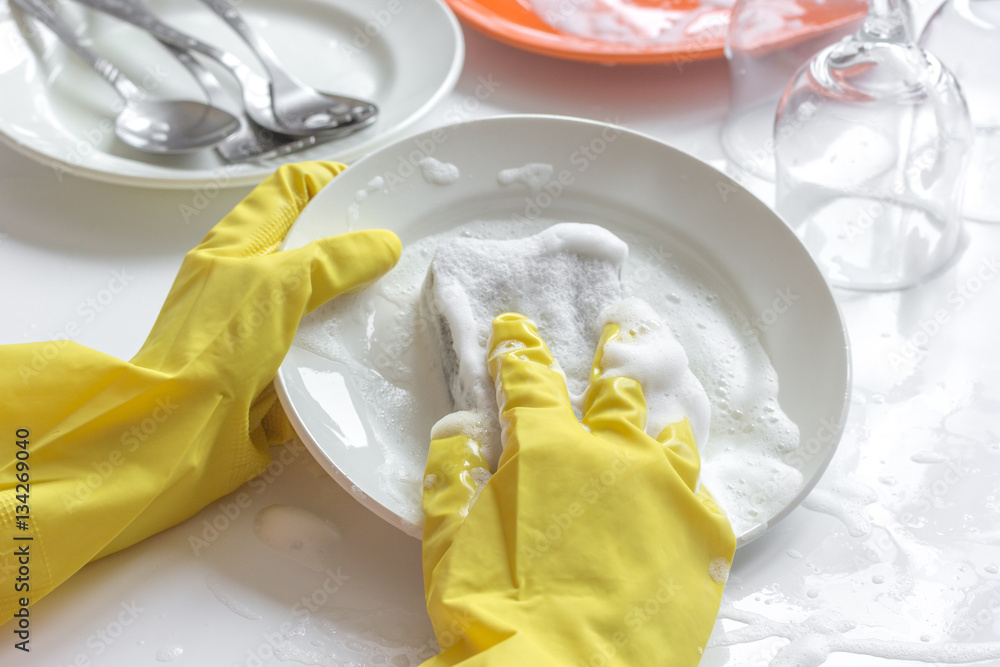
590	545
121	450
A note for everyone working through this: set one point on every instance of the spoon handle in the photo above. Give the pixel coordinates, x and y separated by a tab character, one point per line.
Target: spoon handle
261	49
138	14
43	13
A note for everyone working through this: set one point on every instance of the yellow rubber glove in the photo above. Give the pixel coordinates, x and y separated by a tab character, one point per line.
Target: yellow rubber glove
118	451
589	546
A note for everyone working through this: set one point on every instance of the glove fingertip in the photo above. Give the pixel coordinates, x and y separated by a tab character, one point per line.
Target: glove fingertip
349	262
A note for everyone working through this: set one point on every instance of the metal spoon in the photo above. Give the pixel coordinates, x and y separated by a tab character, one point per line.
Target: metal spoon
297	107
257	91
155	126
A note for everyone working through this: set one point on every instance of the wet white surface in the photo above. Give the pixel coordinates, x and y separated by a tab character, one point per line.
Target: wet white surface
893	560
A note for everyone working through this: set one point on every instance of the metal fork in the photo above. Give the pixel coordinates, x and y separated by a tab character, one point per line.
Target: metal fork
251	141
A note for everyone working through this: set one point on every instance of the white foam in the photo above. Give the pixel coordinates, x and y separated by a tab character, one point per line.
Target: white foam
812	640
844	499
624	21
344	637
928	457
644	349
718	569
354	209
437	172
534	175
170	653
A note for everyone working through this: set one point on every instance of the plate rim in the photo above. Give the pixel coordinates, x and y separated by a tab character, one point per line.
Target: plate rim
244	175
845	363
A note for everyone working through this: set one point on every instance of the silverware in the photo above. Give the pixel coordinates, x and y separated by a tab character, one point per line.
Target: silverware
298	108
251	142
155	126
256	90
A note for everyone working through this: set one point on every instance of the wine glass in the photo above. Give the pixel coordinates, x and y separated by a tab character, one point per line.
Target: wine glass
965	35
767	41
871	142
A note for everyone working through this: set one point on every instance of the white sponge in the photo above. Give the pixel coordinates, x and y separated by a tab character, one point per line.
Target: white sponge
562	279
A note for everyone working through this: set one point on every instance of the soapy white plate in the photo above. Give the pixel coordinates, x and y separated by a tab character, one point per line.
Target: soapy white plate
624	181
402	55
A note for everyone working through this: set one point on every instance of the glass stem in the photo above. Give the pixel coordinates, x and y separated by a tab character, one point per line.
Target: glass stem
887	21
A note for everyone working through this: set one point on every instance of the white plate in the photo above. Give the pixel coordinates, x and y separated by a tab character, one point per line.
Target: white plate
634	183
57	111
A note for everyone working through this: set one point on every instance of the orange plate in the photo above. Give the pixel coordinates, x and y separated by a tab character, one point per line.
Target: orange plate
511	22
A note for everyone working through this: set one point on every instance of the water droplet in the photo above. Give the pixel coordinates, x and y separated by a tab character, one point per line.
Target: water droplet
169	654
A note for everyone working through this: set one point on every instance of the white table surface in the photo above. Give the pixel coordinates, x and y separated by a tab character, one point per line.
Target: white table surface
908	559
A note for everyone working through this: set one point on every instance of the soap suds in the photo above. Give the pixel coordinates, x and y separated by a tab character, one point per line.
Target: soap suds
534	175
169	654
437	172
634	23
812	640
844	499
644	349
354	209
386	346
718	569
355	637
928	457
